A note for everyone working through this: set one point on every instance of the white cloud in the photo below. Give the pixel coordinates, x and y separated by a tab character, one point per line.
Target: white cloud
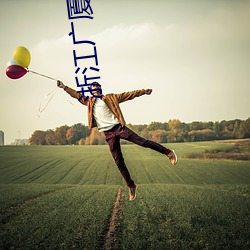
122	33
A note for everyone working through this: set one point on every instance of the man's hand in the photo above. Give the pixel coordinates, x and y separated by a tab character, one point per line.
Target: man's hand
60	84
148	91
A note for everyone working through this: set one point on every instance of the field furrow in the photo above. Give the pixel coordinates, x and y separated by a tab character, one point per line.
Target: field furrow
67	218
8	212
186	217
64	197
112	234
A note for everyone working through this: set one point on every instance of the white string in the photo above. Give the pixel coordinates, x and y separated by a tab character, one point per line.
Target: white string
51	78
49	96
71	103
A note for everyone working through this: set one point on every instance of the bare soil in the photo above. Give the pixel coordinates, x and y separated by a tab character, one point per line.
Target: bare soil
112	231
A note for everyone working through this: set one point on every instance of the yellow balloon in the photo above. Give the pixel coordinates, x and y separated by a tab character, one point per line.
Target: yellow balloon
22	56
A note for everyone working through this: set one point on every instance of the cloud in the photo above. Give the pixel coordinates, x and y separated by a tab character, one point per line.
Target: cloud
119	43
123	33
214	43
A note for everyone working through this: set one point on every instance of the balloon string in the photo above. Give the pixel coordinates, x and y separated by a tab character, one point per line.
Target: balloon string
41	109
51	78
71	103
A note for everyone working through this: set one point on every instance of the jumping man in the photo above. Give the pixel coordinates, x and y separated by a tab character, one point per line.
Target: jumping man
105	114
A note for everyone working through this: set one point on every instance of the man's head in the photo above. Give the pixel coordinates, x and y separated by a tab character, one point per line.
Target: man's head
97	86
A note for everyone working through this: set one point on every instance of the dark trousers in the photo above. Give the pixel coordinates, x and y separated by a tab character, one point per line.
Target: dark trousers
113	137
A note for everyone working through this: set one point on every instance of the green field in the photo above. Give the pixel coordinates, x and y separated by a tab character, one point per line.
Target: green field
62	197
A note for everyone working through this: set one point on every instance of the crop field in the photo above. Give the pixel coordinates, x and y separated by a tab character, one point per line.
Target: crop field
73	197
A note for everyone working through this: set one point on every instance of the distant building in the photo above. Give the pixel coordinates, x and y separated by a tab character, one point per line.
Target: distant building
1	138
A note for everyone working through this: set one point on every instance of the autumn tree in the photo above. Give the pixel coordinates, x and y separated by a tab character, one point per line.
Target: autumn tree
38	138
175	133
95	138
77	133
172	131
159	135
50	137
60	133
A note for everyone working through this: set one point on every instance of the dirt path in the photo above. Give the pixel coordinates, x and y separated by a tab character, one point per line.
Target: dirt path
111	235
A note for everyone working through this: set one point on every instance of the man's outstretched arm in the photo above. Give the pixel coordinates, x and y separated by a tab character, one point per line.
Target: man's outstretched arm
132	94
72	92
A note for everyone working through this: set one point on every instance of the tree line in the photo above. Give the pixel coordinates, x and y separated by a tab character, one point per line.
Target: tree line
172	131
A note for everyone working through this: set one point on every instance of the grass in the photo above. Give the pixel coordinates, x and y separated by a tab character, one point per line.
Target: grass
240	150
61	197
58	165
65	218
187	217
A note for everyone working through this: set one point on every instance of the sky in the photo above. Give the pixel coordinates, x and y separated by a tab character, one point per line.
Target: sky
194	54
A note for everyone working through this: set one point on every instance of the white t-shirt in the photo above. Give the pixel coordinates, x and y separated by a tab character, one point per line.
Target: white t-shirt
105	119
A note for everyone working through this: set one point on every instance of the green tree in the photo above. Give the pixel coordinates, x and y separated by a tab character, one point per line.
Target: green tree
202	135
217	129
157	126
175	133
196	126
244	130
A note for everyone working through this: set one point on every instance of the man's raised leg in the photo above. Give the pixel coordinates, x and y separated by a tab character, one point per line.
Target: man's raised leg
131	136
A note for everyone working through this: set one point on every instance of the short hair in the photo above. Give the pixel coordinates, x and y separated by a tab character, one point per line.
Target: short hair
95	84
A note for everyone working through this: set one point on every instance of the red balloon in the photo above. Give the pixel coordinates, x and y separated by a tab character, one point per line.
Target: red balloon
15	71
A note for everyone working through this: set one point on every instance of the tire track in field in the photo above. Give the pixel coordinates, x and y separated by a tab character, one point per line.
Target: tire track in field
112	228
46	166
6	214
48	169
67	172
45	242
195	178
94	175
176	175
88	181
3	167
